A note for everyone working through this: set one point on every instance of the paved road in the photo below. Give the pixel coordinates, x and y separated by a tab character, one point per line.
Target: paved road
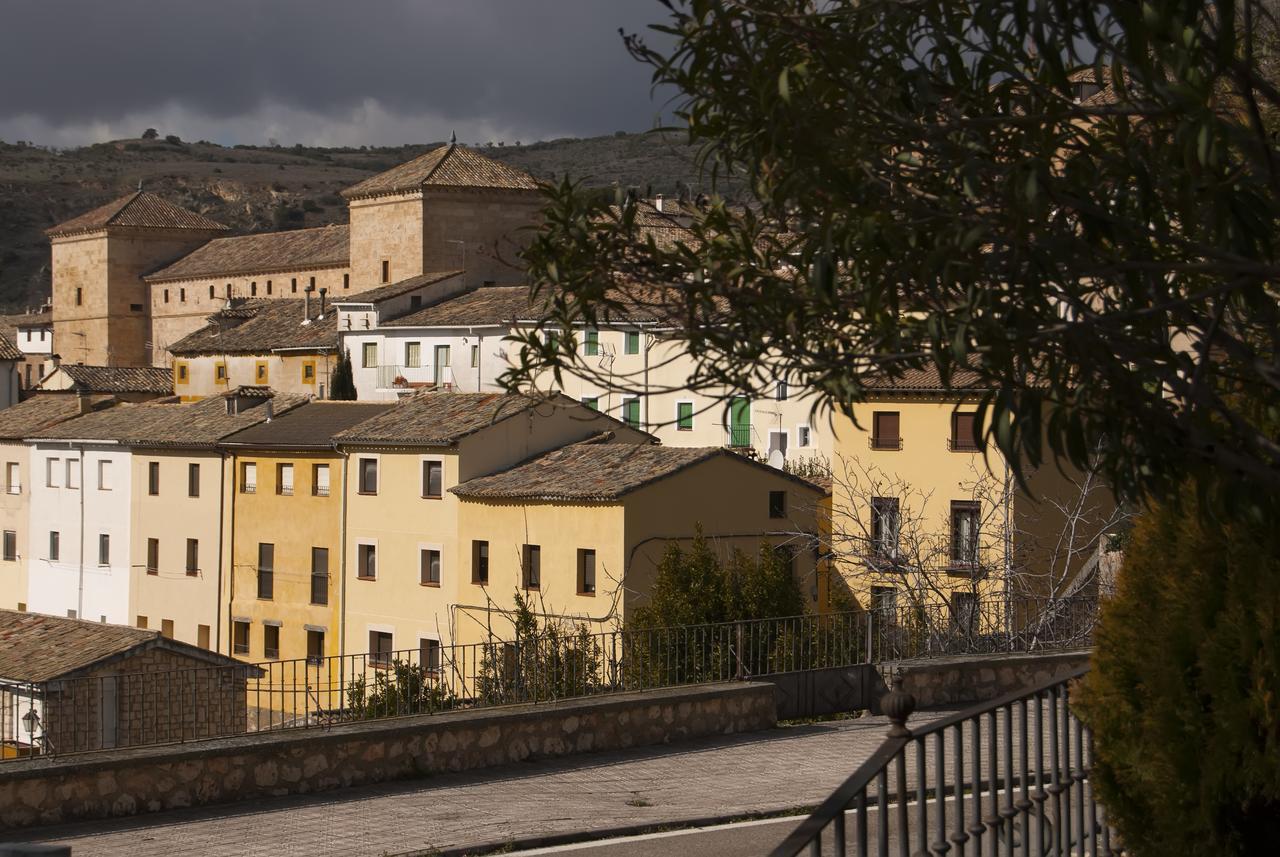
761	773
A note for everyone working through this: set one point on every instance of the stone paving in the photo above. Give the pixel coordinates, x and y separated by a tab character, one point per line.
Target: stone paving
763	772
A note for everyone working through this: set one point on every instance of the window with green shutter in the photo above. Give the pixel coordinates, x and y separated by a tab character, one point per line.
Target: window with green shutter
591	347
631	412
633	342
592	402
684	416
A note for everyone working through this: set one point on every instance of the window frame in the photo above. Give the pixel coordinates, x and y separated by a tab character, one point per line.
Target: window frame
585	587
153	556
193	479
55	546
684	422
368	349
104	549
531	567
266	572
884	509
270	632
247	487
361	487
958	444
591	342
316	553
153	479
427	465
282	468
879	441
631	342
778	505
193	557
239	626
316	470
479	561
366	550
425	551
9	547
960	509
378	657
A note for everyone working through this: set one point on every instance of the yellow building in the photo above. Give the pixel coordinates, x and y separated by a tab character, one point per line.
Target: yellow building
581	530
406	562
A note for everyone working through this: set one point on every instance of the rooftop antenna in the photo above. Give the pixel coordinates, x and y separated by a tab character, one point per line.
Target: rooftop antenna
139	185
453	138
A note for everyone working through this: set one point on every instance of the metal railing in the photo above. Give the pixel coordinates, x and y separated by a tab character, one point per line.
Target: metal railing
174	706
1007	777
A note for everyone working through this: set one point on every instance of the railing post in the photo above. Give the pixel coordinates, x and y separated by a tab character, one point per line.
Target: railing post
898	705
741	671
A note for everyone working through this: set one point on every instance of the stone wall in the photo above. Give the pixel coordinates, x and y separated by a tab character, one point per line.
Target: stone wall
969	679
130	782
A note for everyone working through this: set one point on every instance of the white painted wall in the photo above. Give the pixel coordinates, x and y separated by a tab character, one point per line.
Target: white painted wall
375	384
76	581
35	340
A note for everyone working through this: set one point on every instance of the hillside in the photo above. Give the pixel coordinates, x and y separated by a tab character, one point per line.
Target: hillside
252	188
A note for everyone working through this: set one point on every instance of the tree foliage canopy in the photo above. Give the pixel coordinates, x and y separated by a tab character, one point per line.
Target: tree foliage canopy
934	185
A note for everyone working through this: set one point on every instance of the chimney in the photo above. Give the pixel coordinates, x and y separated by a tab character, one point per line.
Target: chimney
83	405
271	411
306	304
657	202
322	293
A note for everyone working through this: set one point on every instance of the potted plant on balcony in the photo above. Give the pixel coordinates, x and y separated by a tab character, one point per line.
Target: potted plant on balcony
400	381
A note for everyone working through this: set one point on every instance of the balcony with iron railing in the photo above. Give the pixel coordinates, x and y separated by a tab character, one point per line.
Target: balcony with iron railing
394	377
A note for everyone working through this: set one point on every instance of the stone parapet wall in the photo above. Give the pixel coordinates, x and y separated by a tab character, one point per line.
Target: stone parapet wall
978	678
154	779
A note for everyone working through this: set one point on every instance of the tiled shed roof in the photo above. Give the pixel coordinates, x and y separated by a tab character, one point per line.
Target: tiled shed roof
322	247
139	208
395	290
38	648
260	327
44	410
926	380
484	305
598	472
9	351
119	379
441	418
314	425
448	166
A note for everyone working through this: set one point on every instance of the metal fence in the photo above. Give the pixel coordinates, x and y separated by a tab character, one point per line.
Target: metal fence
1010	777
131	709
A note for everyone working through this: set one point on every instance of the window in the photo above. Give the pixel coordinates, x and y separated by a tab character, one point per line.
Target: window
293	285
592	402
368	475
440	372
182	295
180	373
964	612
432	479
320	480
885	430
380	648
586	571
803	438
193	557
480	562
53	472
284	478
54	539
153	478
260	374
315	646
413	354
740	421
12	482
253	289
104	549
308	371
963	435
386	271
475	356
553	340
319	575
135	307
429	567
964	532
73	473
212	293
79	297
268	287
884	599
248	477
271	642
10	545
591	345
369	355
240	638
193	480
367	562
631	412
346	281
777	504
781	391
220	373
153	556
166	628
886	523
531	565
632	342
266	570
166	295
141	623
684	416
429	653
202	636
104	475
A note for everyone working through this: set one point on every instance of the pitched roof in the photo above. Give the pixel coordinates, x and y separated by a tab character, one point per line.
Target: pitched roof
441	418
139	208
260	327
321	247
447	166
9	324
203	423
315	424
9	351
926	380
119	379
39	648
395	290
597	472
665	230
42	411
483	305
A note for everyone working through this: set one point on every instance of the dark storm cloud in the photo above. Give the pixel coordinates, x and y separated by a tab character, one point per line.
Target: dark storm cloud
535	67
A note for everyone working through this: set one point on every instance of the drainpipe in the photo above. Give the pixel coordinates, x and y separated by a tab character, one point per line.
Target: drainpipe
80	593
231	560
342	566
222	509
648	343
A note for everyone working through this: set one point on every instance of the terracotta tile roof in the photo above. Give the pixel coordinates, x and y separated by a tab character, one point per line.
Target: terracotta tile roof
598	472
44	410
139	208
395	290
926	380
483	305
10	324
313	425
203	423
447	166
665	230
119	379
260	327
38	648
437	418
322	247
9	351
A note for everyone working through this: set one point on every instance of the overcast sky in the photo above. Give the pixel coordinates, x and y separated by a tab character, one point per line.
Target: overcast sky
321	72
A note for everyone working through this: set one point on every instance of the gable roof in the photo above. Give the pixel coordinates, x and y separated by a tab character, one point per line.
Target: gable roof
598	472
118	379
321	247
260	327
39	648
9	351
314	425
395	290
926	380
437	418
140	208
44	410
202	423
448	166
483	305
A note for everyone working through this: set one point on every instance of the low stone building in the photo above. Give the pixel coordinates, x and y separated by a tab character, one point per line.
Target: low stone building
69	685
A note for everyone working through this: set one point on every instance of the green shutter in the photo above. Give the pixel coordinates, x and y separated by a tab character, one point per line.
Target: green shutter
740	421
592	346
633	342
592	402
631	413
684	416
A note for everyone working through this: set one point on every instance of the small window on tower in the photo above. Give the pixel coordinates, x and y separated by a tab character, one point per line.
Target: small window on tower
386	271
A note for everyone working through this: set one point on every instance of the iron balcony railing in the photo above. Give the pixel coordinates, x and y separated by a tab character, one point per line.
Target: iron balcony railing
134	709
1009	777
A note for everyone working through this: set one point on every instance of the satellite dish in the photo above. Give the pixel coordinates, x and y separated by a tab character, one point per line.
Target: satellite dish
777	459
